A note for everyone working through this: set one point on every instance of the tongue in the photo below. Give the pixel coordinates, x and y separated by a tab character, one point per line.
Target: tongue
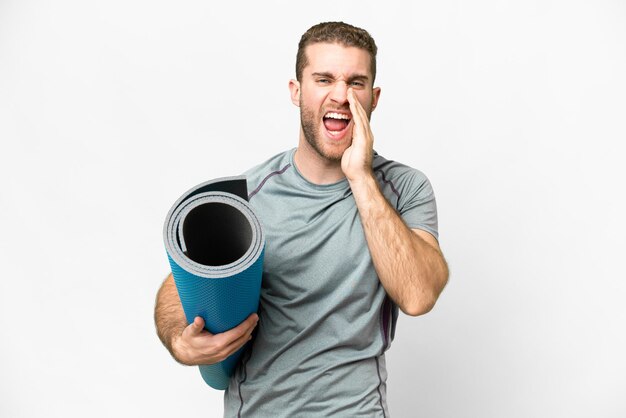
335	124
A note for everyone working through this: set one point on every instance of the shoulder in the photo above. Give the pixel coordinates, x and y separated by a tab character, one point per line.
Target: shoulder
400	177
410	192
259	174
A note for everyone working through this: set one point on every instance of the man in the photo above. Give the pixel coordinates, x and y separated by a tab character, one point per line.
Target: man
350	238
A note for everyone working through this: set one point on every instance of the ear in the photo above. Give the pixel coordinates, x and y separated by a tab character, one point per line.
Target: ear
294	89
375	97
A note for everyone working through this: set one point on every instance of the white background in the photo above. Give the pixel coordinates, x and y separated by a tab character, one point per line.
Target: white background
516	111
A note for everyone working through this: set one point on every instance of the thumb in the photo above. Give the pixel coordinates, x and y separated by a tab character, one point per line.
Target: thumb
197	325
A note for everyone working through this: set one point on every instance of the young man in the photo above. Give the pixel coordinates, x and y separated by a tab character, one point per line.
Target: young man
350	238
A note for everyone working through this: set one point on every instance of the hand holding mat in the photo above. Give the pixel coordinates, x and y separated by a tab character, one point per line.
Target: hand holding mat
215	245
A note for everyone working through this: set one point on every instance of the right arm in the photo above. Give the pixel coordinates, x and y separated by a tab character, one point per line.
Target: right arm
192	344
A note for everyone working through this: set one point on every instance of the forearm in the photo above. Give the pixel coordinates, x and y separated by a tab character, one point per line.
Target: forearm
412	271
169	316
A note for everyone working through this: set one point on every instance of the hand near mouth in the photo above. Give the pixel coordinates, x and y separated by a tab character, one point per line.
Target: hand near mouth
356	162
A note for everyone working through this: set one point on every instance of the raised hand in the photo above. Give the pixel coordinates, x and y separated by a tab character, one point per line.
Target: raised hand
356	162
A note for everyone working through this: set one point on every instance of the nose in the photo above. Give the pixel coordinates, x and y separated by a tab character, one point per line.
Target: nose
339	93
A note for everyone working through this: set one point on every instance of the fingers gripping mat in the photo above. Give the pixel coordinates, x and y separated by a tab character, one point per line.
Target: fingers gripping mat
215	245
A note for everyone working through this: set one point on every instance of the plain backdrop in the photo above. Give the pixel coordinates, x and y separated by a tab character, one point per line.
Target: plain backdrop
515	110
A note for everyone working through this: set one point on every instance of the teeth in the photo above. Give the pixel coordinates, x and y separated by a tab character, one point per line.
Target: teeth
337	116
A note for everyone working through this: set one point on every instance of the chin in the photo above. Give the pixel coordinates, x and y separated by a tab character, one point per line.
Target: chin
332	151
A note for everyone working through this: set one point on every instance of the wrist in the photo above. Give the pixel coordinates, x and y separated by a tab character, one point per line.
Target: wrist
363	184
367	196
178	350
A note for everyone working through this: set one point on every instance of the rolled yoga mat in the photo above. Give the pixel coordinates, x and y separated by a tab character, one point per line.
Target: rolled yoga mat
215	246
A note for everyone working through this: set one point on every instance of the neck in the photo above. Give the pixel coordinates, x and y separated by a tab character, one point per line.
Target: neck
314	167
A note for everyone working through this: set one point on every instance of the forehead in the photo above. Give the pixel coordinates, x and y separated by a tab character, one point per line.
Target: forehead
337	59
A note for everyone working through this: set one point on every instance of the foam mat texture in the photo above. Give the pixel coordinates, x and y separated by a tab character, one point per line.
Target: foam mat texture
215	245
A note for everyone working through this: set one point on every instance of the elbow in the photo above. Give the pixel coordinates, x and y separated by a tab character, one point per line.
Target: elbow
425	301
420	306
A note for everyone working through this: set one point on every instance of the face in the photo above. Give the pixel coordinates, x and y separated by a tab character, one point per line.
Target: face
322	95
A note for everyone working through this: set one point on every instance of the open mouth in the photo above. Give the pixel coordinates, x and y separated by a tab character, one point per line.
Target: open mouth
336	123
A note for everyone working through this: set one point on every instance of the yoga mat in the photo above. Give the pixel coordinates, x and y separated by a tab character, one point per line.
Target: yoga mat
215	244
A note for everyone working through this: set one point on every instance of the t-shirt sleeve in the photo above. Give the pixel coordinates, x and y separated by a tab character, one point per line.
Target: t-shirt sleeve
416	202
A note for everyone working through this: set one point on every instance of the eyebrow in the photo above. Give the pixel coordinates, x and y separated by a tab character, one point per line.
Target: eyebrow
361	77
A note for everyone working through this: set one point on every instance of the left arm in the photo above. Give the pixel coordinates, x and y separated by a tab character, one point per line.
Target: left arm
409	262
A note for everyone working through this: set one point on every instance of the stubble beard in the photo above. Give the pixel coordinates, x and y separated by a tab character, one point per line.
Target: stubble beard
310	127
